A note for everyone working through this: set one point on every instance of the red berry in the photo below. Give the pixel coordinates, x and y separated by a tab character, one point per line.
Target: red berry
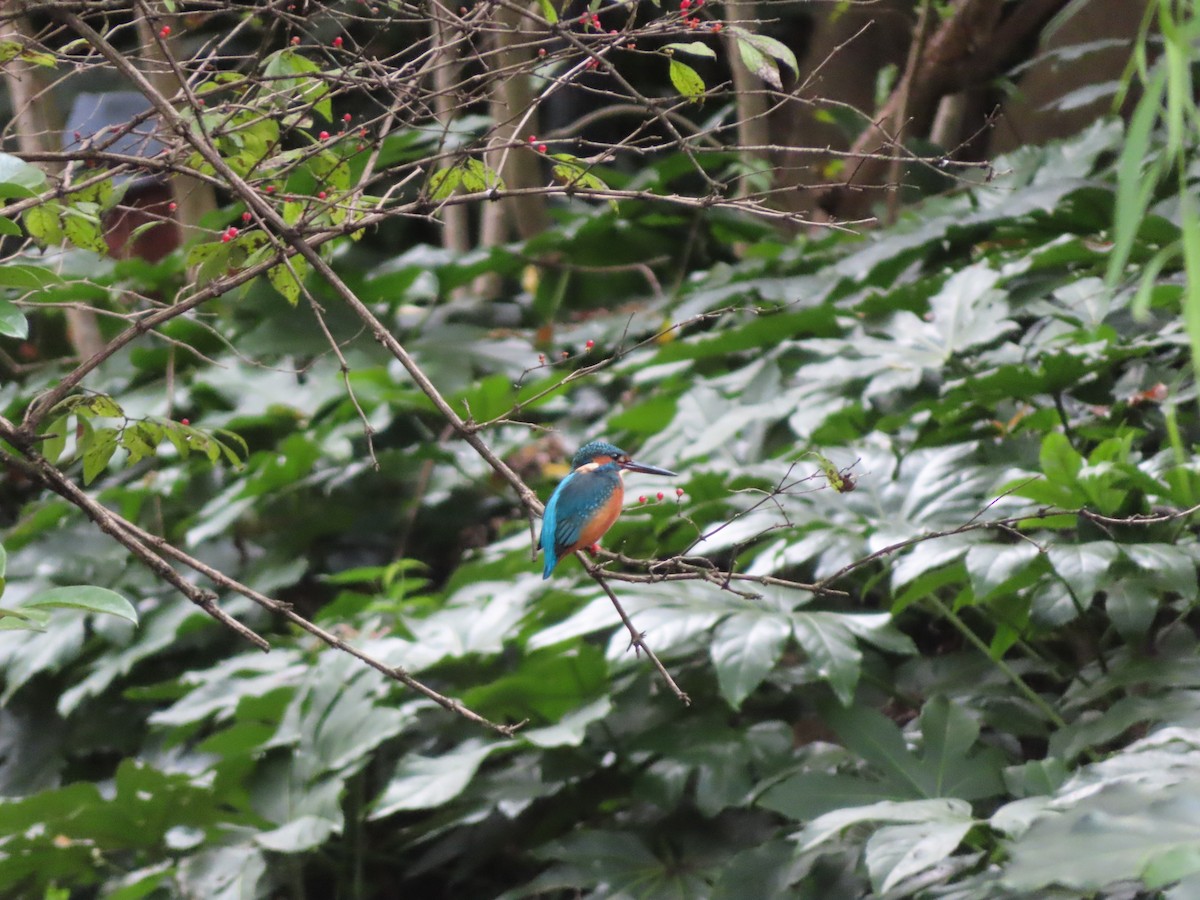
642	498
337	41
533	139
678	492
590	344
541	148
226	238
296	41
685	4
165	32
172	206
347	117
324	135
233	232
270	189
595	20
566	354
541	51
717	26
246	217
542	359
185	421
321	195
660	496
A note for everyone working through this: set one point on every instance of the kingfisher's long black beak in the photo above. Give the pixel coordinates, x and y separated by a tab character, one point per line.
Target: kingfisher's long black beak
632	466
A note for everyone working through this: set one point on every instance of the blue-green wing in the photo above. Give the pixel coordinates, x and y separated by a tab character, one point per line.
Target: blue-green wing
572	505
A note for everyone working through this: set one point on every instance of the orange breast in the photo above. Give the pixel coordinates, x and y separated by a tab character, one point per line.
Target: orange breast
601	522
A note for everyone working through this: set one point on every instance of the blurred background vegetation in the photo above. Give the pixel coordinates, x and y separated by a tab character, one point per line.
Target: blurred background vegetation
305	303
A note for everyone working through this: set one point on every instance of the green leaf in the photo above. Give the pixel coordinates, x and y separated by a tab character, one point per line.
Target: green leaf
86	598
444	182
686	79
288	277
14	171
1060	461
478	177
12	321
56	439
548	11
744	648
425	782
694	48
877	740
825	827
44	223
1123	831
832	648
760	64
954	766
994	568
572	172
23	619
896	852
1168	565
1083	566
83	230
27	277
97	451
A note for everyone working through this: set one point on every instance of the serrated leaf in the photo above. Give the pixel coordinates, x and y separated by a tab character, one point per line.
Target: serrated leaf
686	79
83	231
87	598
569	171
98	450
444	182
478	177
424	782
745	647
896	852
288	277
832	648
101	405
44	224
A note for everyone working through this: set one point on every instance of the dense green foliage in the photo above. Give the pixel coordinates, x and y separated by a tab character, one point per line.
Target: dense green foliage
968	364
927	574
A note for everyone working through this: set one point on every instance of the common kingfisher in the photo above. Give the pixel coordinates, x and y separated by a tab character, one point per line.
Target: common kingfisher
587	502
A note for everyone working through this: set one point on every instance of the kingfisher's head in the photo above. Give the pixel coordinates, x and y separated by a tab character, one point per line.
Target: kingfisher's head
602	453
